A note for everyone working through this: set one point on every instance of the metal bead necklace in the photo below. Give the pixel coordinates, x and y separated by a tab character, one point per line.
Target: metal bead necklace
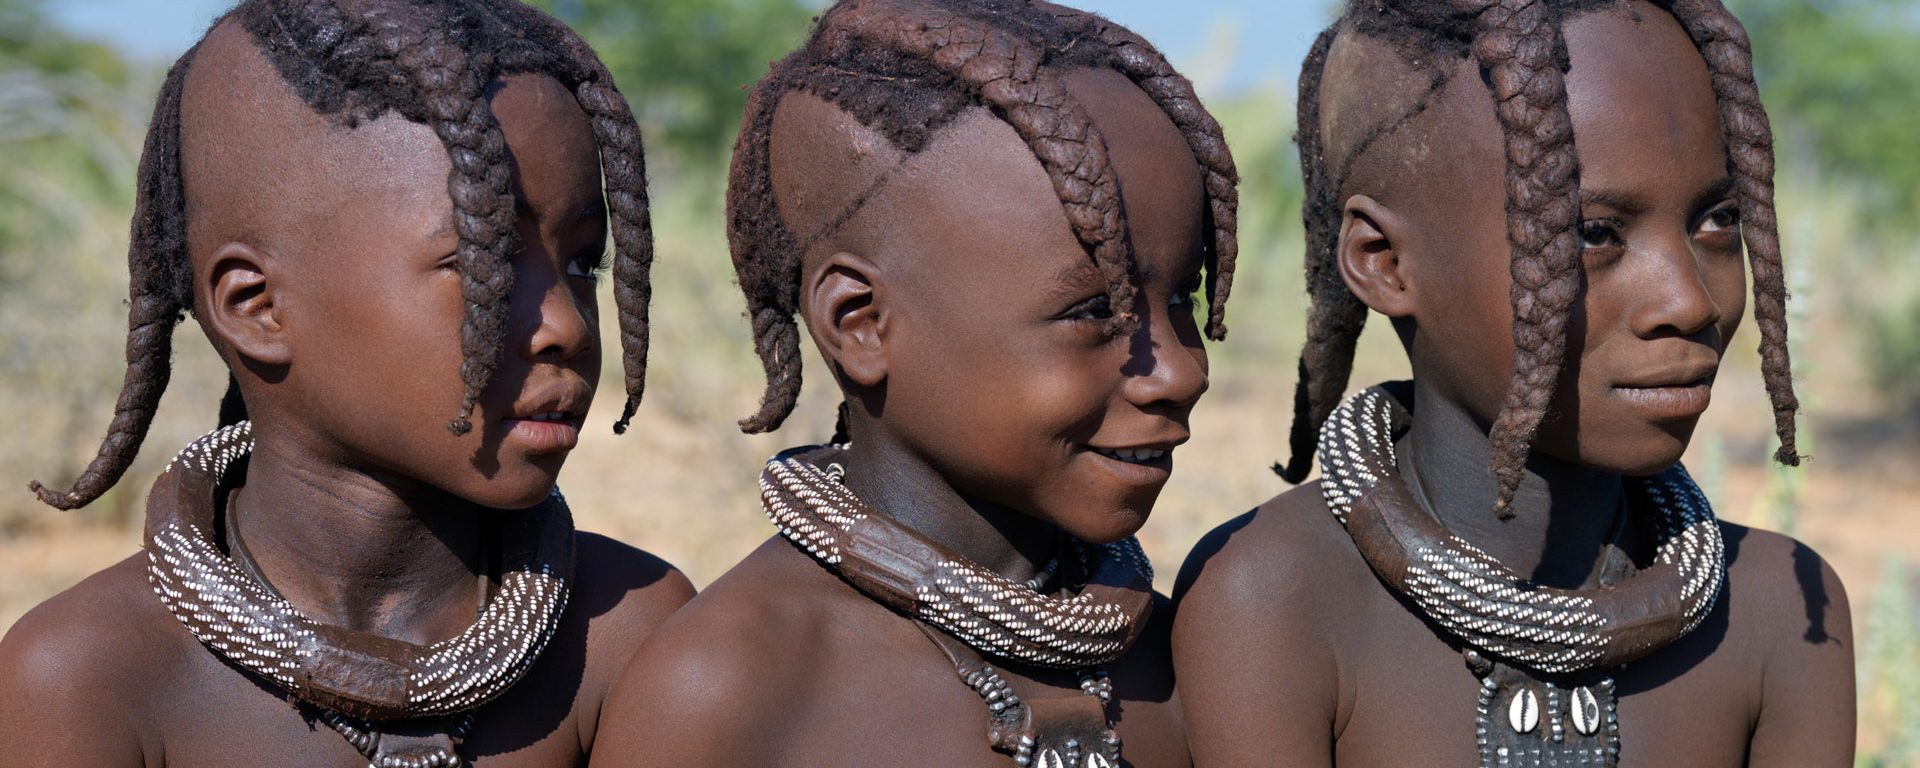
401	705
1545	656
968	610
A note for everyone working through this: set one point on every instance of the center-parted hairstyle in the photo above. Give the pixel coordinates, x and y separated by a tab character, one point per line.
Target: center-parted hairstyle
431	62
907	68
1522	57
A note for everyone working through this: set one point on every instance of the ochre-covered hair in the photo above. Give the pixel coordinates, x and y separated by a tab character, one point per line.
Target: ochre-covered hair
1523	59
905	69
429	61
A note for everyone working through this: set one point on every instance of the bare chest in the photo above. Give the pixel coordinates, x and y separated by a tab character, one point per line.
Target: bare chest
905	705
1413	695
214	714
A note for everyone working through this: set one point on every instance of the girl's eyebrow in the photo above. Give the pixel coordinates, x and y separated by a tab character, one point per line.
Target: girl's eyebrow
1715	192
1629	203
1623	202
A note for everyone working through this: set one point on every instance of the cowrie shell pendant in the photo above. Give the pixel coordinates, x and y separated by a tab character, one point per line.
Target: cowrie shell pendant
1586	712
1524	713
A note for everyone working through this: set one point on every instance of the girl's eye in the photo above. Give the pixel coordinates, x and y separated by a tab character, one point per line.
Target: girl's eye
587	267
1599	233
1094	308
1720	219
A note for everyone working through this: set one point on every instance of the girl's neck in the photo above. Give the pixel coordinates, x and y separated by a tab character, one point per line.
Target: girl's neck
358	551
901	485
1564	514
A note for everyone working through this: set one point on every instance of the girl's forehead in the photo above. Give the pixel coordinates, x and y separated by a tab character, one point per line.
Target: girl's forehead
1643	105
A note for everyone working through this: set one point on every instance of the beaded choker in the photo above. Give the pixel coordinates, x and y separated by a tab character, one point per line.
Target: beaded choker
1542	654
356	679
968	610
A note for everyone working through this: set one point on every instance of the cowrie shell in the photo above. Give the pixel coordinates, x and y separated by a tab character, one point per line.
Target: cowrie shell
1586	712
1097	760
1051	759
1524	713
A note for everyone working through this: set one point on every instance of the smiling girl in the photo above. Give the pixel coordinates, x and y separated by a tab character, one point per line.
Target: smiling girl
995	218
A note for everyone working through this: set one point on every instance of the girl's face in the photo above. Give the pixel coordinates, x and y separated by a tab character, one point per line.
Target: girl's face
372	299
999	371
1664	283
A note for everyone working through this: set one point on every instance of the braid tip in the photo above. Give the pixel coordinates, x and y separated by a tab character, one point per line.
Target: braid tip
1787	455
1295	470
626	415
61	500
460	425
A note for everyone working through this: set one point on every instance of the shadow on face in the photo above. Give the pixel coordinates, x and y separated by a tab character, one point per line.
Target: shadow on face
1663	284
325	271
968	324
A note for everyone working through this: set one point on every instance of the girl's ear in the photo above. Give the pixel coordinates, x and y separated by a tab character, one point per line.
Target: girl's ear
238	305
1368	261
843	300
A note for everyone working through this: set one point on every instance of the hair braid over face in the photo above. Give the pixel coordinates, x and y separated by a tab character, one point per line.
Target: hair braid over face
1729	55
906	68
430	61
1522	56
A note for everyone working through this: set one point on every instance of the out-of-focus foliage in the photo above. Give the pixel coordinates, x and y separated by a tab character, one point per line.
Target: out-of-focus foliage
1845	76
686	64
1841	79
72	114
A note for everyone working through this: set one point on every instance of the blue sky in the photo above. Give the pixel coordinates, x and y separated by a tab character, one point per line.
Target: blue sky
1224	45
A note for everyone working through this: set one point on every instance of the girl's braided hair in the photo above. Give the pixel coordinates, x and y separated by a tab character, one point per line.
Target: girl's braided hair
431	62
906	68
1523	58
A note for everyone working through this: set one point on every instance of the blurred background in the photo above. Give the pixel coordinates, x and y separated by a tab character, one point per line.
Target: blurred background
1840	77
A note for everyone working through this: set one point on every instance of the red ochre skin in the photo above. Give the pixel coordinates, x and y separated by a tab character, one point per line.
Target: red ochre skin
323	274
954	310
1290	652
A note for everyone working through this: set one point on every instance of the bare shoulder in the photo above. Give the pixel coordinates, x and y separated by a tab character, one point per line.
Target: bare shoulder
1781	592
723	667
627	592
89	661
1289	556
1787	614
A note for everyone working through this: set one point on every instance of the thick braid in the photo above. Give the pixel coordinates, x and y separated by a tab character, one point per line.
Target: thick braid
1336	317
1729	55
1006	73
450	84
530	41
159	292
623	164
753	235
906	68
1147	68
1524	57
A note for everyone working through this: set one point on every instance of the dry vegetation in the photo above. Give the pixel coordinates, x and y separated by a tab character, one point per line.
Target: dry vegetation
681	484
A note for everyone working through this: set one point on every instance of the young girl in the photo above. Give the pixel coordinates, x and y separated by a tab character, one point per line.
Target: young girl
387	217
1503	562
994	217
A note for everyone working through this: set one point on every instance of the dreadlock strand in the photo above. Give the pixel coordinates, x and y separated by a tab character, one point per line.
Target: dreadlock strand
907	69
1723	43
1521	50
1007	74
772	296
1335	317
159	281
1147	68
480	186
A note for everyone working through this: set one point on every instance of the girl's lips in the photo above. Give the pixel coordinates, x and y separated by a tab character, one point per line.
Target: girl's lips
1139	471
544	436
1669	403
